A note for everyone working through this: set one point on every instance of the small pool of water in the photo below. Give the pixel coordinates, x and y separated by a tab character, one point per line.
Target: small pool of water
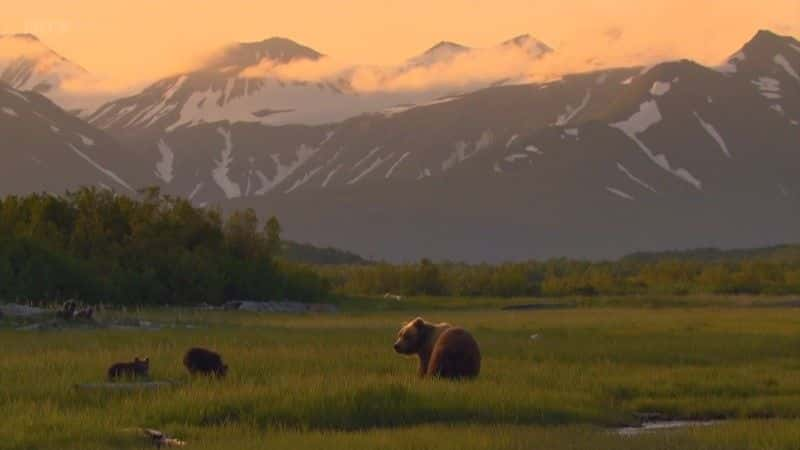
658	425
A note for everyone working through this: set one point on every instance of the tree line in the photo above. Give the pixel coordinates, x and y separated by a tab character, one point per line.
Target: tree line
97	246
777	275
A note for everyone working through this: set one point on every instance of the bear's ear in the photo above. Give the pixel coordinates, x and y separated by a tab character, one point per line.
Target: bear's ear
136	359
418	322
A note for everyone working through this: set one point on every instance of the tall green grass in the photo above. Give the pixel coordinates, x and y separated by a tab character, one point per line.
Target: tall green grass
300	381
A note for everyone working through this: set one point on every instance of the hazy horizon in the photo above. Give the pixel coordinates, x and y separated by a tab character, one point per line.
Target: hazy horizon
112	42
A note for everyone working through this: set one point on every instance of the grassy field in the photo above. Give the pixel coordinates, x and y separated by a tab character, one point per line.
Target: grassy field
333	381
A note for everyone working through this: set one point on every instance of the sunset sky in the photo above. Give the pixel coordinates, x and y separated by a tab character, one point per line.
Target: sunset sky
150	38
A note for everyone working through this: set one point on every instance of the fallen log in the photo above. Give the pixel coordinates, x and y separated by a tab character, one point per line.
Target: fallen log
144	385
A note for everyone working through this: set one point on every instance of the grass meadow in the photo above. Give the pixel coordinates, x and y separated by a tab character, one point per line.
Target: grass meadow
333	381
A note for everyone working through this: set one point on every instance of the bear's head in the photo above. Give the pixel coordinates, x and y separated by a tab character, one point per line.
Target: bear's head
411	337
142	364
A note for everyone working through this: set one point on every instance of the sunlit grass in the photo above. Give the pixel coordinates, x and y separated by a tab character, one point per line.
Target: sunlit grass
301	381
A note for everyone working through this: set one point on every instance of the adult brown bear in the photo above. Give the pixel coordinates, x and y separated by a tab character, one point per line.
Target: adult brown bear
204	362
444	350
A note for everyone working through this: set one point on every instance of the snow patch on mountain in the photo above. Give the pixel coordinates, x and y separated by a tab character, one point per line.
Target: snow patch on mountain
511	140
220	172
714	134
515	157
767	84
769	87
620	193
17	94
328	136
9	112
375	164
174	88
164	167
534	149
660	88
282	172
86	141
102	169
369	155
396	164
394	110
634	178
485	141
784	63
305	179
462	153
797	48
647	116
571	111
195	191
730	67
331	174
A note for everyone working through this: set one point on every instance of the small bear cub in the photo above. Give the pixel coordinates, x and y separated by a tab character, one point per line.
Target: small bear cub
200	361
138	368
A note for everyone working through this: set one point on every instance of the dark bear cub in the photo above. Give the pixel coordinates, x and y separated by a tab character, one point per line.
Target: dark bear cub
139	368
444	350
199	361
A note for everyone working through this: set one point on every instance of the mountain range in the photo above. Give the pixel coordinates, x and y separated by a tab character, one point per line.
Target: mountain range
598	164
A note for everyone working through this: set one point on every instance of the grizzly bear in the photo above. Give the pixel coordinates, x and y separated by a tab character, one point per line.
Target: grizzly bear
136	369
444	351
204	362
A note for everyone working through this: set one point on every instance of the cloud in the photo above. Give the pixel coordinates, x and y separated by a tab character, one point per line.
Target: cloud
456	71
472	69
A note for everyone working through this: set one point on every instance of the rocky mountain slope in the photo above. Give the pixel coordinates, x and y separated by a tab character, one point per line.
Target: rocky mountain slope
592	165
45	149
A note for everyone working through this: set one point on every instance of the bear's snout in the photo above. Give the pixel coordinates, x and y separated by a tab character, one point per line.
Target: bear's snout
397	347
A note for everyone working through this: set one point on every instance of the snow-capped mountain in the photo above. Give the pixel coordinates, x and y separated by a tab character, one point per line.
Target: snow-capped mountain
442	52
220	90
27	64
45	149
216	91
533	47
595	164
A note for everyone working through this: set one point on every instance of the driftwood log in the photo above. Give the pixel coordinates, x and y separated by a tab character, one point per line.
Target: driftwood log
144	385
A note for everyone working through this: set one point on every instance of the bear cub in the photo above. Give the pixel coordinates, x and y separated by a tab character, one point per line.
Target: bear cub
204	362
444	351
139	368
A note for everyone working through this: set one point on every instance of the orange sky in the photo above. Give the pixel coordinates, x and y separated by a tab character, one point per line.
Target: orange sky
149	38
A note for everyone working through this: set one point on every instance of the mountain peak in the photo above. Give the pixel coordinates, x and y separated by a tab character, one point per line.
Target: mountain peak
279	49
529	43
767	37
443	51
21	36
448	45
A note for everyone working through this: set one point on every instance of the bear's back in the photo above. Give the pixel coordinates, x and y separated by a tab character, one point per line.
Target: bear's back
455	355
